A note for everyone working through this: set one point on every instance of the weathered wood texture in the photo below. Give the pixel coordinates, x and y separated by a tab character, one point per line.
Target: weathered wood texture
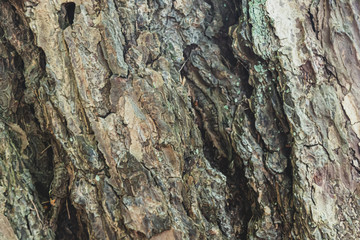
183	119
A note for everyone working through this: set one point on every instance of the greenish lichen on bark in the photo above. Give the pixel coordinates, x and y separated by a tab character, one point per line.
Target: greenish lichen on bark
310	105
179	119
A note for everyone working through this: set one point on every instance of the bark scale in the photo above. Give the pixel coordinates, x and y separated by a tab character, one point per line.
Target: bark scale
179	119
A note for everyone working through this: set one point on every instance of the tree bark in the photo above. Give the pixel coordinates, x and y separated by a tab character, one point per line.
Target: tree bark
182	119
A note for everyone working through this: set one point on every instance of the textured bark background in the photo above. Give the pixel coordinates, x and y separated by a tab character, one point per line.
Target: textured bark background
185	119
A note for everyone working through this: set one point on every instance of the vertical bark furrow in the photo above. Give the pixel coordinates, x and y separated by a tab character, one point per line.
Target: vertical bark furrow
316	103
186	119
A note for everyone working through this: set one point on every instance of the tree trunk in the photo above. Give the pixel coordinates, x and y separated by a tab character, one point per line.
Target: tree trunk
185	119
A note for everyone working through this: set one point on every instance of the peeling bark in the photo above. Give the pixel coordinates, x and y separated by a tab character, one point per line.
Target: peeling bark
179	119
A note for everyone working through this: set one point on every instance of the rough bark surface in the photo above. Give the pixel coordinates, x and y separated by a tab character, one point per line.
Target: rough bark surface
185	119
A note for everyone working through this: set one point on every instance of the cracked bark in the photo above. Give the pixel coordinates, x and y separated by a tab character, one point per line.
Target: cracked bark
179	119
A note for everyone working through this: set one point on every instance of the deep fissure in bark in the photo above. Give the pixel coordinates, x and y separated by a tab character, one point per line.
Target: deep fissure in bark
239	204
66	15
68	225
108	146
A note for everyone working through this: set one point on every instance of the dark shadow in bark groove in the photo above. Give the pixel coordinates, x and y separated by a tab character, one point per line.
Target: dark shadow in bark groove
68	227
241	197
38	152
66	15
